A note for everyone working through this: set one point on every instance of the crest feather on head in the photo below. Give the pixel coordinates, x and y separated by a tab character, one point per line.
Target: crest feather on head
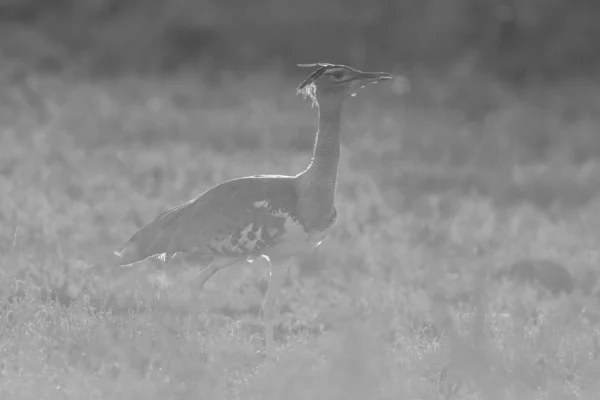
307	87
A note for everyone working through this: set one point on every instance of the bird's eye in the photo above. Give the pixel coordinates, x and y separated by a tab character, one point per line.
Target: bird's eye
338	74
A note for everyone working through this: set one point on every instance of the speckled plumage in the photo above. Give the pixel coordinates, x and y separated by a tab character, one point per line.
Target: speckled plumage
271	216
241	218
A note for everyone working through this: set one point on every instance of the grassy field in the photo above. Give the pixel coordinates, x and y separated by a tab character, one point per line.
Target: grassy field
396	304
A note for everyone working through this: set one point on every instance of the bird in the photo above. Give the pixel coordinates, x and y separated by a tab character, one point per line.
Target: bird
273	217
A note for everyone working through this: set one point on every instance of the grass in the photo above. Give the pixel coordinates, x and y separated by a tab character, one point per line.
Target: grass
379	311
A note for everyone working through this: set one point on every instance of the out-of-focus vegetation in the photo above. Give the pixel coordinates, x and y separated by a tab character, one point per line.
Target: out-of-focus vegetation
503	73
517	39
464	262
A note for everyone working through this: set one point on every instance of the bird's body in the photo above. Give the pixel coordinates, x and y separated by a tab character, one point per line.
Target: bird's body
271	216
239	219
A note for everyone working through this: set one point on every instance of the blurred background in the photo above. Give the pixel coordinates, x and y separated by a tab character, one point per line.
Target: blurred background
480	160
493	83
518	41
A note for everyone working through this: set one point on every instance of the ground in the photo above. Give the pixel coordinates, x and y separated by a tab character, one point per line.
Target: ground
396	303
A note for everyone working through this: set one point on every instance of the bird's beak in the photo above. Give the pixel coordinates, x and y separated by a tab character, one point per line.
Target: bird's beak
372	77
366	78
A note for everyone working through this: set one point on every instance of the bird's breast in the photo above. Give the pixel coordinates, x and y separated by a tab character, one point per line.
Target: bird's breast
296	239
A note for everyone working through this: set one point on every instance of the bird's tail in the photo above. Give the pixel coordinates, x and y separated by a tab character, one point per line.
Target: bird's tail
126	255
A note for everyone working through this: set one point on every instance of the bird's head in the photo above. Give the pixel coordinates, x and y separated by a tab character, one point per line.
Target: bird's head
336	82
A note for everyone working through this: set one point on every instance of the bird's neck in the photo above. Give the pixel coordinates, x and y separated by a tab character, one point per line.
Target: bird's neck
318	181
326	152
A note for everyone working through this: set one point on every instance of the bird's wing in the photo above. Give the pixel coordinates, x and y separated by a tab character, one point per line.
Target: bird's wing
229	219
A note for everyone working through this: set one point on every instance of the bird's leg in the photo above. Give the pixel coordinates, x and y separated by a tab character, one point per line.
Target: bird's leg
277	273
214	267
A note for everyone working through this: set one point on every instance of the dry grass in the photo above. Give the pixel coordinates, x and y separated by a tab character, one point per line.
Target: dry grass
379	311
